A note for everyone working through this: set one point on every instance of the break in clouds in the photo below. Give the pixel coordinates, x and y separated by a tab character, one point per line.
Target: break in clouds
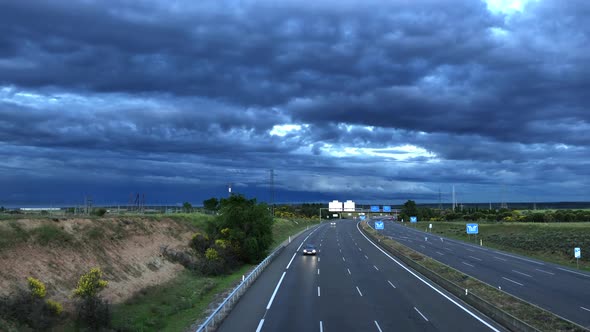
372	101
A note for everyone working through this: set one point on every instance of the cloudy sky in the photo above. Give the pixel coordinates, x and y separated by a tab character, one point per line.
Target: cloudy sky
378	101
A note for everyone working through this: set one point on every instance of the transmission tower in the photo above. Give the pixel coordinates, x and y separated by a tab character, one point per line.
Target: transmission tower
229	185
503	198
454	199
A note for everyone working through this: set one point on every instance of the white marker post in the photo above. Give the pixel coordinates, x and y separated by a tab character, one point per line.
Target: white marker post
577	255
430	227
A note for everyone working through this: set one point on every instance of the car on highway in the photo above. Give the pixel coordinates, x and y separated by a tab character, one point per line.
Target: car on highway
309	249
333	223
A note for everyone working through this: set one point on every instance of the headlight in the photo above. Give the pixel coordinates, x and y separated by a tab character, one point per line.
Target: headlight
304	250
313	251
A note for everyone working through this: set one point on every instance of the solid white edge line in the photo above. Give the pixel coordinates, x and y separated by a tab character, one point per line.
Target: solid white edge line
357	288
574	272
426	319
391	284
378	327
291	261
585	309
518	283
429	285
275	292
260	325
321	327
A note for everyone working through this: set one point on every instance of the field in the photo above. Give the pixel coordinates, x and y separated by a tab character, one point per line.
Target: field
552	242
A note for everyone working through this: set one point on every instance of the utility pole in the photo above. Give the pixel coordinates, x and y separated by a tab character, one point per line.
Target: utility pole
439	200
454	199
272	192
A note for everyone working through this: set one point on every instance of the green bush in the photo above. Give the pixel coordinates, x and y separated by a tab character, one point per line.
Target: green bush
90	284
99	212
55	307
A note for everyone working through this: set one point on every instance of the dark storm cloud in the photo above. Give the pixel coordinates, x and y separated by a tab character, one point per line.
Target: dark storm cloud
337	96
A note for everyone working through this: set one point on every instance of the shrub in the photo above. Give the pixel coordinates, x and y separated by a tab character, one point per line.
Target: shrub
211	254
94	312
37	288
55	307
28	310
100	212
200	242
90	284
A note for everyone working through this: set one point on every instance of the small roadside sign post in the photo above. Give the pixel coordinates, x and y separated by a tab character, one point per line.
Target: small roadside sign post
472	229
577	255
430	227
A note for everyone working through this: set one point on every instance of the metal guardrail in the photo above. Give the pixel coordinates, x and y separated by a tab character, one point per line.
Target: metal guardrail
223	309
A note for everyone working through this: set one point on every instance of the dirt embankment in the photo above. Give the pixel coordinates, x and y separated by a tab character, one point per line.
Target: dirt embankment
58	251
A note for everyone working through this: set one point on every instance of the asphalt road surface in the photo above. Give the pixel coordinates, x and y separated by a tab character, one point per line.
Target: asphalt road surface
350	285
556	288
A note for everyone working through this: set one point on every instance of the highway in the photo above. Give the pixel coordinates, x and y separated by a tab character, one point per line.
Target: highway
350	285
556	288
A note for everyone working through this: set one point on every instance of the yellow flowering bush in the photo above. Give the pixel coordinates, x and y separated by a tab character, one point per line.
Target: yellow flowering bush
90	284
37	287
55	307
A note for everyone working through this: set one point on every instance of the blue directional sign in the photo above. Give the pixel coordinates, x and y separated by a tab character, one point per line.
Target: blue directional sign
413	219
379	225
472	228
386	208
577	251
362	217
374	208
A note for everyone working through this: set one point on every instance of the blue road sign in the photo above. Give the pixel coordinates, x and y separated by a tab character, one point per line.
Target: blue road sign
374	208
362	217
472	228
386	208
378	224
413	219
577	251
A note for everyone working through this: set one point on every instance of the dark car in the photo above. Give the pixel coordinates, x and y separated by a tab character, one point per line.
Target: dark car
309	249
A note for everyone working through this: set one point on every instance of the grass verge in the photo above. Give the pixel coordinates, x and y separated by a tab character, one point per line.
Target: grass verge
173	306
456	282
283	228
550	242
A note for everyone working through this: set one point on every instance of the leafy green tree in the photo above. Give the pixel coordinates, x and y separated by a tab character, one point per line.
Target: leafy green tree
410	209
211	204
246	224
187	207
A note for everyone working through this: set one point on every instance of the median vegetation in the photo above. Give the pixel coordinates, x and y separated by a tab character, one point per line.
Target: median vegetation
493	302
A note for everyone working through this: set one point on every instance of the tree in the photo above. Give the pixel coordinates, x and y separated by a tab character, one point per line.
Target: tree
211	204
187	207
409	209
246	224
90	284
